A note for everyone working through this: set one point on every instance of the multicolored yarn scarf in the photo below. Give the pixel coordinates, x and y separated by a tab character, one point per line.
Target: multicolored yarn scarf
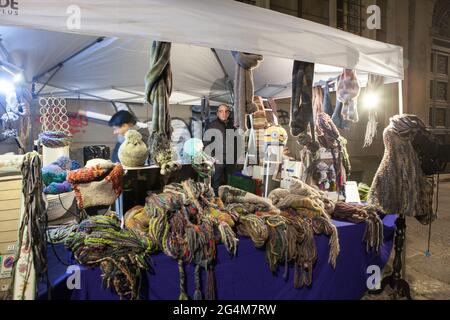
120	254
186	224
356	213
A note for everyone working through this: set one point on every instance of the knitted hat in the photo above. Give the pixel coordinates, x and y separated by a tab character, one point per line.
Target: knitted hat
133	152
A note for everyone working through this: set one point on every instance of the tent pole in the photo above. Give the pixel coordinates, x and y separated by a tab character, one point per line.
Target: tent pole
59	65
227	78
400	97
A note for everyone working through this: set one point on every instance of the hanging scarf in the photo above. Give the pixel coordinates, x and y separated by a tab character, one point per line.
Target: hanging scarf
301	104
327	107
399	185
329	138
243	87
32	244
158	87
348	90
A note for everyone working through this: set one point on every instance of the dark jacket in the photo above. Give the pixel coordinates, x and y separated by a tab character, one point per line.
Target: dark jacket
222	127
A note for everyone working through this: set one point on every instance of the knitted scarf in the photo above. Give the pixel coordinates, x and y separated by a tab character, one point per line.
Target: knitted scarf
327	107
158	87
348	90
329	138
243	87
301	104
399	185
356	213
120	254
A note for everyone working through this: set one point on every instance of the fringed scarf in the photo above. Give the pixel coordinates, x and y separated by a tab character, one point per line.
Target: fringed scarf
243	87
120	254
400	186
356	213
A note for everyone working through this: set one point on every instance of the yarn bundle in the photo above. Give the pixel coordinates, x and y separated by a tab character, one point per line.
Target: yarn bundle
55	139
54	175
285	225
120	254
186	224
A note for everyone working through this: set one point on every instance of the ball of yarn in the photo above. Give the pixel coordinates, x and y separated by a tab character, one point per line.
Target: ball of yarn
53	173
57	188
133	151
65	163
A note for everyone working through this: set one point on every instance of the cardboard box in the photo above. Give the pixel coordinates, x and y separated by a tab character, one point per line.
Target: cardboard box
292	169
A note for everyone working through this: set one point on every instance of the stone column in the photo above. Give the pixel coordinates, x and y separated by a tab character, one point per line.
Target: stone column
420	44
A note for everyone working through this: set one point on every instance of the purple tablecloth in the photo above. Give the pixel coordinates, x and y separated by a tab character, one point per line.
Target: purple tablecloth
246	276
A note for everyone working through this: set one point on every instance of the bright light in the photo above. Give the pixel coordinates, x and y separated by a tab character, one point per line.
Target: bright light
371	100
6	87
17	78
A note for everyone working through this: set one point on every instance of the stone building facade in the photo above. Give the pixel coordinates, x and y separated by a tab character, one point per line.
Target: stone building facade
422	28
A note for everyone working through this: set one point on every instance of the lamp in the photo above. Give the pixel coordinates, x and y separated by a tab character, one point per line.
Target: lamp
371	100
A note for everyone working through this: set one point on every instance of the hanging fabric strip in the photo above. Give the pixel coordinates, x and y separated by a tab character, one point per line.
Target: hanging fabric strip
373	89
243	87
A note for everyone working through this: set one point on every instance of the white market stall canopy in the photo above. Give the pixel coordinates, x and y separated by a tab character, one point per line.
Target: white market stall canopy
115	36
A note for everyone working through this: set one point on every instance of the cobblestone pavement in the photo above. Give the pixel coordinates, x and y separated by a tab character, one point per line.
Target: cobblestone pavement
429	277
